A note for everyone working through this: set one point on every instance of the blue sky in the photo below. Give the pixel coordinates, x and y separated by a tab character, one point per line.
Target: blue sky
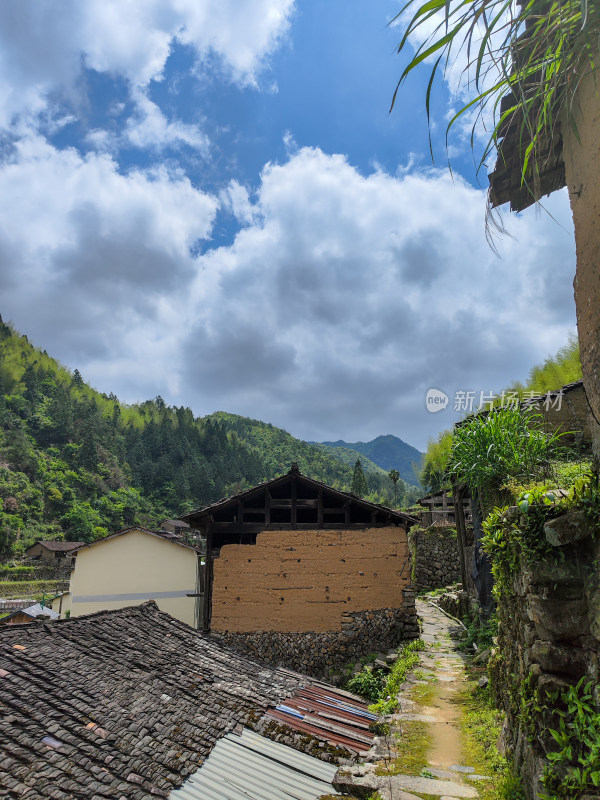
209	201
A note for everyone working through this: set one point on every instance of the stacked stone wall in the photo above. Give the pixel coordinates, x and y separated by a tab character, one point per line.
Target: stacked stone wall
322	653
435	558
549	638
40	572
571	419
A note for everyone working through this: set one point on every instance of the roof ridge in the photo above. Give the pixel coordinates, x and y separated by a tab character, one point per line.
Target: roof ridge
295	473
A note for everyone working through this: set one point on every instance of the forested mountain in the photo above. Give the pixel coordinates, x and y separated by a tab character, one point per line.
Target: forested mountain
278	449
80	464
388	452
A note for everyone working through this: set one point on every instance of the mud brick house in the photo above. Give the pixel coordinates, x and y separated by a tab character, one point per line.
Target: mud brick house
306	575
135	705
565	411
51	552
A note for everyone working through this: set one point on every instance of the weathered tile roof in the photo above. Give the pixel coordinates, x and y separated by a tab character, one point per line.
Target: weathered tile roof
120	704
33	611
529	402
192	517
168	537
58	547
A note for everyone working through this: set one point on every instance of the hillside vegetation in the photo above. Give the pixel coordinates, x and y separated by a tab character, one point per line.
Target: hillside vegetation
79	464
388	452
556	371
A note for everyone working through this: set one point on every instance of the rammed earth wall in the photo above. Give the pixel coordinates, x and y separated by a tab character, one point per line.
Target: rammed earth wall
434	557
321	653
308	581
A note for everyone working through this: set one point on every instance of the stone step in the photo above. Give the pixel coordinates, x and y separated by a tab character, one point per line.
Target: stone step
349	782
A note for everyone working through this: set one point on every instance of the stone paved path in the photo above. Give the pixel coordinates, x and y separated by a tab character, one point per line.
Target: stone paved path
447	777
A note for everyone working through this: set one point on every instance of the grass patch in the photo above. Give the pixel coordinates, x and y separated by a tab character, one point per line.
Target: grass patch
412	745
31	588
408	657
421	675
382	689
481	723
423	694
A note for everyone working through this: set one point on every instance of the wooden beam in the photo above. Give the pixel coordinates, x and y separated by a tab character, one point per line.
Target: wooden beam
300	503
320	508
207	582
267	508
461	530
294	501
251	528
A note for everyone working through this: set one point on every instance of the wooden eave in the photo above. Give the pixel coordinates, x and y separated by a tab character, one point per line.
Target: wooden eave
507	182
321	517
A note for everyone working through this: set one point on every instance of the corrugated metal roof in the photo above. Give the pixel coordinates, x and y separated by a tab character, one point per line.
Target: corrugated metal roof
38	611
253	767
335	717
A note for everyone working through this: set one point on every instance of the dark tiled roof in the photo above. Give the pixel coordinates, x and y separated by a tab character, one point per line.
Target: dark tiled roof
120	704
205	511
506	181
568	387
33	611
166	535
58	547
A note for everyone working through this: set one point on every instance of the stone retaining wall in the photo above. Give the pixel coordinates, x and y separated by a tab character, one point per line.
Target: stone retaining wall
457	603
549	638
319	654
434	557
40	572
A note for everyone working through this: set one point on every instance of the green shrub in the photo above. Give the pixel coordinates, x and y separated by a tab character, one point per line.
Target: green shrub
367	683
489	450
573	767
381	690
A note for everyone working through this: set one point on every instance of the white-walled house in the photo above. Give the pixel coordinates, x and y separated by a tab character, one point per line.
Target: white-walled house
131	567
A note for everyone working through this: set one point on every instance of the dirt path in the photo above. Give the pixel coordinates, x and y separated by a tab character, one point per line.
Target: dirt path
425	755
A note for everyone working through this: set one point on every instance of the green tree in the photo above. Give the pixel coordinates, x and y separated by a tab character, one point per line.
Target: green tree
534	65
435	462
395	477
83	523
359	485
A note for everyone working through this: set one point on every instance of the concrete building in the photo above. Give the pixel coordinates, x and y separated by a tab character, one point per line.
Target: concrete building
133	566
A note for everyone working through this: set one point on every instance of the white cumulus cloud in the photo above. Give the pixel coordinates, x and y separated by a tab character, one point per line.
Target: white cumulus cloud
339	303
44	44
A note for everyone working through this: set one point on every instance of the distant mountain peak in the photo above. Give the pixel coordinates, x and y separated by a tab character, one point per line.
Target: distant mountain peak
388	452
